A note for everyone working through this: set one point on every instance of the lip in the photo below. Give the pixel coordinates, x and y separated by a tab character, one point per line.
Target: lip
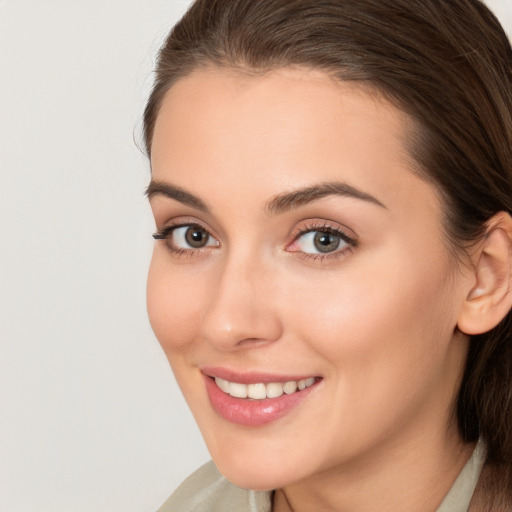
250	377
248	412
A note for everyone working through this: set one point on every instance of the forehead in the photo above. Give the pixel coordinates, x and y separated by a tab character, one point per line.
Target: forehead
284	95
295	101
286	128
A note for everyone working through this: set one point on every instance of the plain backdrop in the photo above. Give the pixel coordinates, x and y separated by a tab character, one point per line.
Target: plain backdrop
90	416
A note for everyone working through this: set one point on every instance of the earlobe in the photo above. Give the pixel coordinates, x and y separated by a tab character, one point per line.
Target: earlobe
490	298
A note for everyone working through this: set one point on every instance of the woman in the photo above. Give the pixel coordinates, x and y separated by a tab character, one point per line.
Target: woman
332	189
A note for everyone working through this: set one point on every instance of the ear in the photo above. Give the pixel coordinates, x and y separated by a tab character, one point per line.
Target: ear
490	297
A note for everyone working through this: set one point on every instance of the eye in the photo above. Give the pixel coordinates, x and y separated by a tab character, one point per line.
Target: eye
186	237
191	237
319	242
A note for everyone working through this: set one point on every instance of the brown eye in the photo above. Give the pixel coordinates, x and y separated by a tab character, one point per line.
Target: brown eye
321	242
326	242
190	237
195	236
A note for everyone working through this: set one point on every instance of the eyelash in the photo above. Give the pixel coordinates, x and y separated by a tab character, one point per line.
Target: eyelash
322	227
166	232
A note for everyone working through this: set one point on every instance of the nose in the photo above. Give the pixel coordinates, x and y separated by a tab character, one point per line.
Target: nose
241	310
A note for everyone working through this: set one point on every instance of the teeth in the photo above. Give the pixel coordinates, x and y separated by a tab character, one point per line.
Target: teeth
237	390
257	391
291	387
223	384
260	391
274	390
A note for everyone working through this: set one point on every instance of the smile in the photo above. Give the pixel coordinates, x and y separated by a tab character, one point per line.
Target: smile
260	391
259	399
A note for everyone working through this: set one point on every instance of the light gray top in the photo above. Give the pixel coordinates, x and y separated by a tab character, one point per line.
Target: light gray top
207	490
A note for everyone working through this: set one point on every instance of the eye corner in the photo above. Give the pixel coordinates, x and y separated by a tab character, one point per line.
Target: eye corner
159	235
186	238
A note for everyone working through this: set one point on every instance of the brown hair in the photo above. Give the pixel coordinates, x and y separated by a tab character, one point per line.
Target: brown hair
448	64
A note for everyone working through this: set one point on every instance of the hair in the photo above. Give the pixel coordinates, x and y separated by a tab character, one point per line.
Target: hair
448	65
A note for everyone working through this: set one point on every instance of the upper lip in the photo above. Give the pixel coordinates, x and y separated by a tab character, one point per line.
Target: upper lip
252	377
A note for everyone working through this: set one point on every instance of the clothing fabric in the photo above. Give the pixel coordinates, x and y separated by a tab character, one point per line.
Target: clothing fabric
207	490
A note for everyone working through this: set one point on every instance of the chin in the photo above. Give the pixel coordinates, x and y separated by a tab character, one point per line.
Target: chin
260	472
255	479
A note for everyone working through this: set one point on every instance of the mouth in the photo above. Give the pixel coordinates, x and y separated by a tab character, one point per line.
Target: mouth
260	390
254	400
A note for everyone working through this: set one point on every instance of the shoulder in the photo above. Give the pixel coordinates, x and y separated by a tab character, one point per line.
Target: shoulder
206	490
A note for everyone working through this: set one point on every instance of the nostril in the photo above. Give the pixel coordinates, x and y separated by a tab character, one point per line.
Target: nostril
253	342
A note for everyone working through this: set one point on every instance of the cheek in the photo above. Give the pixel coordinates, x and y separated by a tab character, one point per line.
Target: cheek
384	335
382	312
173	304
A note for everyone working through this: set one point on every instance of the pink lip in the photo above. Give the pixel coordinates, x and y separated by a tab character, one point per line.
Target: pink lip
250	377
253	413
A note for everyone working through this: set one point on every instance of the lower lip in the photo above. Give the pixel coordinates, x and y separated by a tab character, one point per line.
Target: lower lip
253	413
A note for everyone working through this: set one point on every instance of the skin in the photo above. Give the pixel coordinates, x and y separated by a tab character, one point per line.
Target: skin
376	321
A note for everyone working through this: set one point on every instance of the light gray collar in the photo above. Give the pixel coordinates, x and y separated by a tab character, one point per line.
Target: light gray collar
459	496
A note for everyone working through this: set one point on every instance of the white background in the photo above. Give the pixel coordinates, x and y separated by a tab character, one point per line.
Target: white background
90	416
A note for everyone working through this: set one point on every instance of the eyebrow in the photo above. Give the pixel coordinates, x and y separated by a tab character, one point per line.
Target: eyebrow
278	204
290	200
160	188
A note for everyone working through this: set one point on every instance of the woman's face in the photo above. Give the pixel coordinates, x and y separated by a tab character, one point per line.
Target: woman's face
298	246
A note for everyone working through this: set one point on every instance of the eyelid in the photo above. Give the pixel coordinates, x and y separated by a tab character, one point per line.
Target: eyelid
180	222
166	231
324	225
304	227
331	227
